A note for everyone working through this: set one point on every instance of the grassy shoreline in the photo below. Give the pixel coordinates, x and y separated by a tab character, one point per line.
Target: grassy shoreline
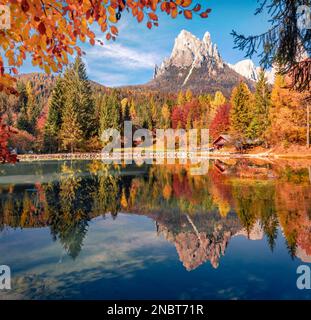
211	155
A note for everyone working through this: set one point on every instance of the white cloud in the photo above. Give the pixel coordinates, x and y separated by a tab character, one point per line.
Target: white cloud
108	78
123	56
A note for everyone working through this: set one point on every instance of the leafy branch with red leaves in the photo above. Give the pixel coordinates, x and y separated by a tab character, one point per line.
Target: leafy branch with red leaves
5	154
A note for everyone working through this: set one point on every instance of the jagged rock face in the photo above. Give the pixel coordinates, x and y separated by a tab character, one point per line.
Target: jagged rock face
195	249
197	246
256	233
246	68
197	65
189	51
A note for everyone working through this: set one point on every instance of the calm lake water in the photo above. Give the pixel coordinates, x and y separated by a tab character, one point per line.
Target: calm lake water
85	230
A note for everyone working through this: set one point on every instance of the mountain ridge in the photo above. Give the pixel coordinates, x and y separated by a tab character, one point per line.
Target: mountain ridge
196	64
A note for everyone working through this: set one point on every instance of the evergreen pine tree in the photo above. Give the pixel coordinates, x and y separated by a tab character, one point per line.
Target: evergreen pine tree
240	115
154	113
126	116
110	113
147	117
260	114
22	121
78	85
22	96
71	133
54	119
133	113
29	110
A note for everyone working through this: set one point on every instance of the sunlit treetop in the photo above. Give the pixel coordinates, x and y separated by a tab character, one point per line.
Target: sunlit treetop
50	31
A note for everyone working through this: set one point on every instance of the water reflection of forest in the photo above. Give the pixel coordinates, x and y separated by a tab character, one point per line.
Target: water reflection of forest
198	214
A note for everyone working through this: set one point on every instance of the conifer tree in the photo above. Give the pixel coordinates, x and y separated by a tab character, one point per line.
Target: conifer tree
133	112
22	95
78	85
260	113
154	113
71	133
147	118
54	119
22	122
29	110
126	115
240	115
110	113
166	116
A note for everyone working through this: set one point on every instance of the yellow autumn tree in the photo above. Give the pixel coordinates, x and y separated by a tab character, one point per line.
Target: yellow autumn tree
219	100
287	115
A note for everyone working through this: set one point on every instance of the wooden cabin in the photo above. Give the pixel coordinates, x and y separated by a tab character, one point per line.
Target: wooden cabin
221	141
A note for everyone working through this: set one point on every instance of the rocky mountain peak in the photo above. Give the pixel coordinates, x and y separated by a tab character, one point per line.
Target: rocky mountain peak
207	37
246	68
186	48
190	51
197	64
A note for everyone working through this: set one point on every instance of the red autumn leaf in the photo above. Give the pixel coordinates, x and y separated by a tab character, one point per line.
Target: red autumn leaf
25	5
114	30
154	4
197	8
140	16
41	28
188	14
51	31
153	16
186	3
14	70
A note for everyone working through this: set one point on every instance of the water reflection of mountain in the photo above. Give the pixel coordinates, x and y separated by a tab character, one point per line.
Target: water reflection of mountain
198	214
196	247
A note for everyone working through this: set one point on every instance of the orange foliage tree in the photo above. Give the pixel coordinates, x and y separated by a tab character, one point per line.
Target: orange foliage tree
5	155
49	31
221	122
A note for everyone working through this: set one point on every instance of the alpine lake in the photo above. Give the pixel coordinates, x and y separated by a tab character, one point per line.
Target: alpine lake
86	230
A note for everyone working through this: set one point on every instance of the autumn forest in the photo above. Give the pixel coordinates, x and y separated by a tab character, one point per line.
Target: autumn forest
68	113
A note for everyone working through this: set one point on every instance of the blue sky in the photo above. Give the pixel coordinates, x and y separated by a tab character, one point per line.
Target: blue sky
131	58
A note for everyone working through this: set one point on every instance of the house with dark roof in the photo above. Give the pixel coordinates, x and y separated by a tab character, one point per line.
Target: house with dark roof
222	140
